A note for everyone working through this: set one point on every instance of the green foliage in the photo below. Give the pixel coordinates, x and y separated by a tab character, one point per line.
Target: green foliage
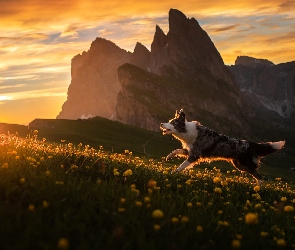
70	196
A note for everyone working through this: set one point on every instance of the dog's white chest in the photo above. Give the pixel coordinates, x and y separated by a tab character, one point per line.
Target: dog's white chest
189	137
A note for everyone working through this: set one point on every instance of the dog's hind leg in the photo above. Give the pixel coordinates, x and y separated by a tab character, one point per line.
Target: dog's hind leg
251	168
177	152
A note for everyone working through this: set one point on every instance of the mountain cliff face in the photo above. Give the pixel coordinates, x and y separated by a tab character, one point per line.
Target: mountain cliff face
183	70
94	87
269	88
143	88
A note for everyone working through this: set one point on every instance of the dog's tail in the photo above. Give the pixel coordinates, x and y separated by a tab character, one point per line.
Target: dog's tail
265	148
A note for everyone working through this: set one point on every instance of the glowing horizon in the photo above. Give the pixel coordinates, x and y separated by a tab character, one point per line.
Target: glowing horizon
37	46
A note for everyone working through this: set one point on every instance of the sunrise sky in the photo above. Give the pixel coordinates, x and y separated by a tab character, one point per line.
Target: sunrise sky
38	39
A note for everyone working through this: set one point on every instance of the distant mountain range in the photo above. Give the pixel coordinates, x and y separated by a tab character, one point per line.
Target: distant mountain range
182	70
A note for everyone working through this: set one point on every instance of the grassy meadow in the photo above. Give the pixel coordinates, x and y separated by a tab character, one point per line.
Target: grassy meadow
66	195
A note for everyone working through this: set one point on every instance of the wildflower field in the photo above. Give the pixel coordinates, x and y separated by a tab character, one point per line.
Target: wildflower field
66	196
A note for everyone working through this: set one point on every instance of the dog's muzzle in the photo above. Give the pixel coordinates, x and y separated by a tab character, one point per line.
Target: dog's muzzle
165	130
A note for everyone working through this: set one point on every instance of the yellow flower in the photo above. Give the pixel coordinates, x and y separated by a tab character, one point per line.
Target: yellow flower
198	204
74	166
217	190
157	227
284	199
121	209
147	199
264	234
236	244
251	218
281	242
151	183
184	219
127	172
216	180
256	188
220	212
63	243
157	213
138	203
31	207
199	229
45	204
22	180
289	209
239	236
59	182
188	182
175	220
122	200
189	204
47	173
224	183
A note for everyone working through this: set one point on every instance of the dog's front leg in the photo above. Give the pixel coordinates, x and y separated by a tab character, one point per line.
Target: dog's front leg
192	159
183	165
176	152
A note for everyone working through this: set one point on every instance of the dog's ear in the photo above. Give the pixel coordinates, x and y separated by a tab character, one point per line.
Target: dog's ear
176	113
181	114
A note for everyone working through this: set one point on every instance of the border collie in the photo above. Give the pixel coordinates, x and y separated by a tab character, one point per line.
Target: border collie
203	144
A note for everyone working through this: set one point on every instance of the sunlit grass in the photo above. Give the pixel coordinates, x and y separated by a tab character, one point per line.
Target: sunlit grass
70	196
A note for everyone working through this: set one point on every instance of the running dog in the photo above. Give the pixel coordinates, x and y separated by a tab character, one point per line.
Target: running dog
200	143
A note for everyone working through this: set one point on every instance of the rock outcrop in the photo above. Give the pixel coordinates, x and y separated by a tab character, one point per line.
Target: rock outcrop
269	88
94	87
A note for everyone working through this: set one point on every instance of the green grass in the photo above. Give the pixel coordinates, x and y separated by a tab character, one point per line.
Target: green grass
76	197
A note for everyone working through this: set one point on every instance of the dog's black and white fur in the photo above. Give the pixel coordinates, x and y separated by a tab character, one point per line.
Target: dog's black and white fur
203	144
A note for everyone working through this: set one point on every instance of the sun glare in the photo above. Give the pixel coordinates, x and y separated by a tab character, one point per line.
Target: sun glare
5	98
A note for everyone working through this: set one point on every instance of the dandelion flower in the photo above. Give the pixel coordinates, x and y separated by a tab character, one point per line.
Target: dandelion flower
47	173
236	244
63	243
147	199
138	203
281	242
264	234
184	219
189	204
128	172
216	180
121	209
199	229
284	199
175	220
157	227
151	183
256	188
289	209
22	180
157	213
217	190
198	204
251	218
45	204
31	207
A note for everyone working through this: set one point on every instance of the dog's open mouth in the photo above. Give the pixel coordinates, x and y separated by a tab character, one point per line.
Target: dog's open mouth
166	131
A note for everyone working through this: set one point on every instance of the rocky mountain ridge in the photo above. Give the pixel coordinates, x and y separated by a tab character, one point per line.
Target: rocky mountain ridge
182	70
268	88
